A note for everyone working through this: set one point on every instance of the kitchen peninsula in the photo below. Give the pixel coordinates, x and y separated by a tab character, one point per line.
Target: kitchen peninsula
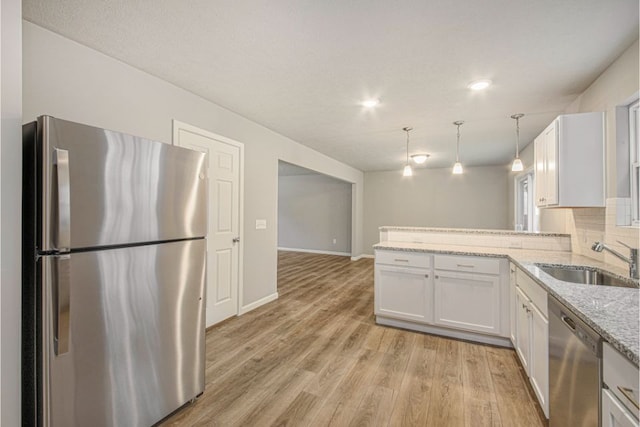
613	312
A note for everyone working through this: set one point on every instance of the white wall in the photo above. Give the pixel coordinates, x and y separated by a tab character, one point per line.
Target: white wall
71	81
435	198
312	211
10	209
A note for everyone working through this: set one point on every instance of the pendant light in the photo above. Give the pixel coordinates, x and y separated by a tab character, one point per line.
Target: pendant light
517	163
457	167
407	168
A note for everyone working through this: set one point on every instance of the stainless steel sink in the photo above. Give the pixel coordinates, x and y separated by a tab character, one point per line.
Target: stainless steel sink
586	275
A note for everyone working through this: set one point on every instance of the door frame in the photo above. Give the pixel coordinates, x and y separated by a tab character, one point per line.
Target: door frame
178	126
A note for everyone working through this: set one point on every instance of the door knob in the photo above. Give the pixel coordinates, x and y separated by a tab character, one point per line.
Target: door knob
236	239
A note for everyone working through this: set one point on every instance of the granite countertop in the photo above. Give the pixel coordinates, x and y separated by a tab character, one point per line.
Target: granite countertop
469	231
612	312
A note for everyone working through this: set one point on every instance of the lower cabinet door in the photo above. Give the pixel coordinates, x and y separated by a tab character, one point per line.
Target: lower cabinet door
403	293
512	304
467	301
614	414
539	363
523	330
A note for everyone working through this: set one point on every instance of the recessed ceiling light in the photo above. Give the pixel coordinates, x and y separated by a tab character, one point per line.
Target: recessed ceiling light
370	103
479	84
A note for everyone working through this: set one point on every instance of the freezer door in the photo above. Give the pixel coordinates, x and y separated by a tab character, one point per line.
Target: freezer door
133	322
101	188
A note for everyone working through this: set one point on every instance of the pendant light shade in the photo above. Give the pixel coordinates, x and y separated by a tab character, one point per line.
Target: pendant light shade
517	166
457	167
407	171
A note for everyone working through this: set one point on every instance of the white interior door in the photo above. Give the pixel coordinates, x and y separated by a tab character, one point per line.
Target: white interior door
225	158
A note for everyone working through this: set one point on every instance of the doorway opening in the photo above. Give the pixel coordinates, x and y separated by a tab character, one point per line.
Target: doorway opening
314	211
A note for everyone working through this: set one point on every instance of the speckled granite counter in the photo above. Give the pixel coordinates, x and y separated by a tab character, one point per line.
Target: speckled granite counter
469	231
612	312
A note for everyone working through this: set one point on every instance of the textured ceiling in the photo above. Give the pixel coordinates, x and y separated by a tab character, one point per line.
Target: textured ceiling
302	67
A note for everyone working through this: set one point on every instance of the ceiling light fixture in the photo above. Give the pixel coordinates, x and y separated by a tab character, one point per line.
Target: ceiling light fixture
419	158
479	84
370	103
517	163
407	171
457	167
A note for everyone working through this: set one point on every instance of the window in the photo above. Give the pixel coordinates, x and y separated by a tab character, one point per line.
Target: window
526	218
634	160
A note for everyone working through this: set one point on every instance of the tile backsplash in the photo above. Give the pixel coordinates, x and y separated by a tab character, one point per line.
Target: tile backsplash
588	225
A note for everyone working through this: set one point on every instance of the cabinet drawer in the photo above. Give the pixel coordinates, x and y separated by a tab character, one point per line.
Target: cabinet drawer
403	258
621	376
535	292
467	264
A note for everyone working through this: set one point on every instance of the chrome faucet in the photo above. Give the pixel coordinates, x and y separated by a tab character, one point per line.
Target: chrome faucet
632	260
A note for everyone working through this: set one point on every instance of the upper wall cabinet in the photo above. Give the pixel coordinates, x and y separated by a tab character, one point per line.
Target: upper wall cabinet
569	162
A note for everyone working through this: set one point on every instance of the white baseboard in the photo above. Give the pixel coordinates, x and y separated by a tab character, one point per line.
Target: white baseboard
262	301
356	258
313	251
452	333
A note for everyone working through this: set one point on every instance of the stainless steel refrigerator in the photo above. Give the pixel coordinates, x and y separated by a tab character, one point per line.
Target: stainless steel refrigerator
113	276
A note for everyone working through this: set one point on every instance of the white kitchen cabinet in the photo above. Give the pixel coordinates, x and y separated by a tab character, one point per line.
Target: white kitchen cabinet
621	391
469	294
523	329
403	293
512	304
569	162
532	336
614	414
539	362
468	301
403	286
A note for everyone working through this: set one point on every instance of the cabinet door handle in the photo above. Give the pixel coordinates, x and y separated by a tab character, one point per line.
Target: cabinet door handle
426	275
628	393
524	306
437	277
401	260
466	265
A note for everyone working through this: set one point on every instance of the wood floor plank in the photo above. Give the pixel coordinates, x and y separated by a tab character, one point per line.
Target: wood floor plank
480	405
515	404
446	405
316	357
299	412
412	402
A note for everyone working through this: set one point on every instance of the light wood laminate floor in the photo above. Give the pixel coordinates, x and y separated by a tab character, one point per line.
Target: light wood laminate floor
315	357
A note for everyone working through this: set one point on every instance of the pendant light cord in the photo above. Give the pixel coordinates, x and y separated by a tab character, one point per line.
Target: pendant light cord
407	146
517	118
407	129
458	144
517	137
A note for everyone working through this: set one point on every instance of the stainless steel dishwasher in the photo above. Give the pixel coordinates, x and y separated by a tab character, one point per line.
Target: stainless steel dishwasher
575	353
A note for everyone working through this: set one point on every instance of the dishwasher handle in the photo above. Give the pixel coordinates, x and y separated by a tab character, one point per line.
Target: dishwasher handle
568	321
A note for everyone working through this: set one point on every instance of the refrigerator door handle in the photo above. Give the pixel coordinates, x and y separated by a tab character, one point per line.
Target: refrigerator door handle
63	227
61	291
